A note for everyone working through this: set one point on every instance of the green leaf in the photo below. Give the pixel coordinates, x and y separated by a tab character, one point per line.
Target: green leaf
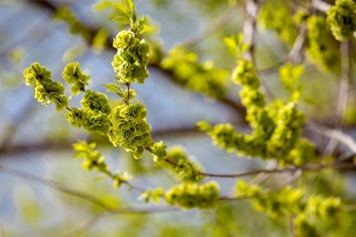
114	88
123	19
231	45
101	6
290	75
121	9
129	5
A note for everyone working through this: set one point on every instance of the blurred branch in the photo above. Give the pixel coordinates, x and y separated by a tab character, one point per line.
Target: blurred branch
66	144
344	81
85	196
332	133
290	181
54	185
25	113
52	8
291	227
239	109
212	27
87	225
321	6
262	177
296	54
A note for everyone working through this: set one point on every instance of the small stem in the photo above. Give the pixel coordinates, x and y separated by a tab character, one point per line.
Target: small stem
291	226
127	99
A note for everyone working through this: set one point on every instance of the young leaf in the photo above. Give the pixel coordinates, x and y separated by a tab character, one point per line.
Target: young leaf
114	88
290	75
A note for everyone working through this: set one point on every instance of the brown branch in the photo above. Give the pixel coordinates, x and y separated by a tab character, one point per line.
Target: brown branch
91	32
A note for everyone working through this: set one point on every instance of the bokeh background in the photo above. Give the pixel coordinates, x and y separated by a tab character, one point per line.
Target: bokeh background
37	140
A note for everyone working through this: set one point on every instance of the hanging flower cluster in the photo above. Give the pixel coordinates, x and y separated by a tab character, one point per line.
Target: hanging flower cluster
47	91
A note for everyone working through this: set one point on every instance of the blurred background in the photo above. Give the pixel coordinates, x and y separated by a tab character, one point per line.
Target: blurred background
38	141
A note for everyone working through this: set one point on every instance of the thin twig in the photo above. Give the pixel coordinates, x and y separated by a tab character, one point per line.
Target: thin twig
87	225
262	177
52	184
309	168
290	181
212	27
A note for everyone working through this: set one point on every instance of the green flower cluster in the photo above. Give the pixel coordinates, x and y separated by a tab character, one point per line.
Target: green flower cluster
72	74
46	90
153	195
159	151
288	202
129	128
285	202
130	62
93	116
303	152
303	227
120	178
277	17
181	166
92	157
323	207
190	195
316	209
322	48
94	160
203	78
276	127
342	19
